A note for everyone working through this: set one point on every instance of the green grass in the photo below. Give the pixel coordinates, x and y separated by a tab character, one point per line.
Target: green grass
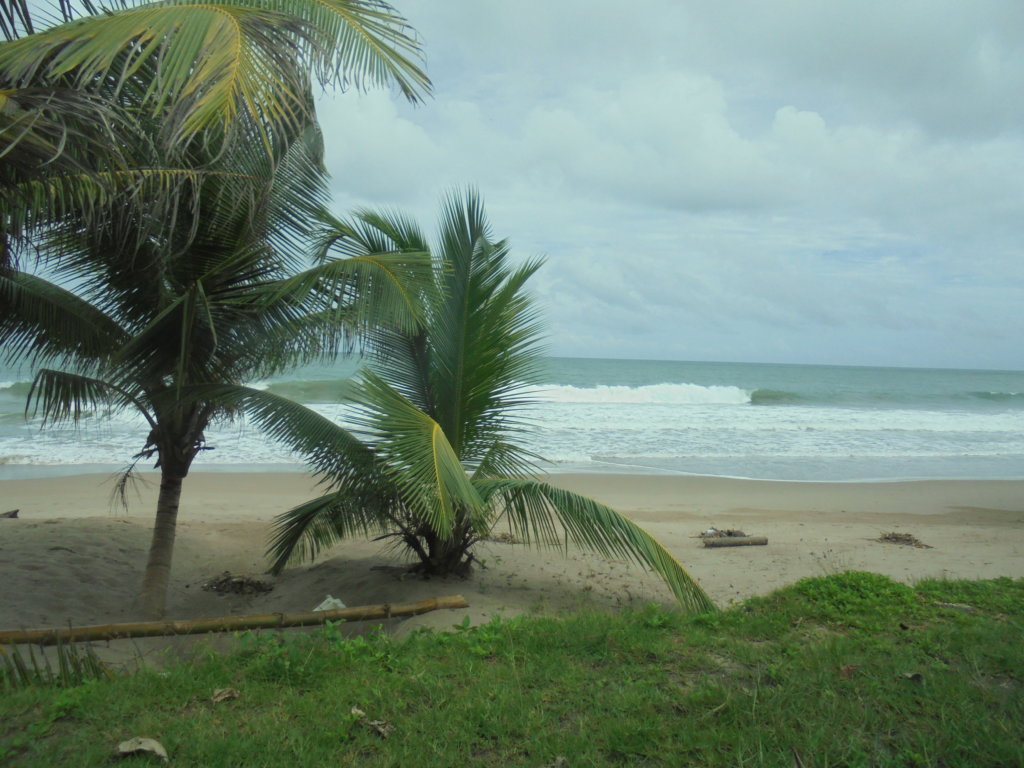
848	670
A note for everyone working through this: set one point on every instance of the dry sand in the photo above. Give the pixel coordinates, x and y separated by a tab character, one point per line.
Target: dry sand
69	558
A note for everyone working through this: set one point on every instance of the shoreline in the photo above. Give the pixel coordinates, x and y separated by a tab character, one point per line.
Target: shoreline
42	472
69	558
629	492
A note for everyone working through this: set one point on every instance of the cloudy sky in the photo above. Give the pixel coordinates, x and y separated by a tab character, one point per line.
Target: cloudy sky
782	181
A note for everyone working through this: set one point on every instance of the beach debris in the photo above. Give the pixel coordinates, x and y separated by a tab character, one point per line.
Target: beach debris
504	538
735	541
228	623
139	745
905	539
10	515
380	727
715	533
227	583
220	695
330	603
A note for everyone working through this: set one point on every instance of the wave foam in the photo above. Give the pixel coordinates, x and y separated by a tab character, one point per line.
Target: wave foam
661	394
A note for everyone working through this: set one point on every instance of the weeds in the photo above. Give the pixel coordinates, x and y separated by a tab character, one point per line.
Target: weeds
75	666
847	670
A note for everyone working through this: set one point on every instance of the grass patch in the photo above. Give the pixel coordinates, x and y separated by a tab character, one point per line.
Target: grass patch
847	670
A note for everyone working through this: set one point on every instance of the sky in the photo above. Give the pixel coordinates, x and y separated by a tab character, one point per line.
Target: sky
787	181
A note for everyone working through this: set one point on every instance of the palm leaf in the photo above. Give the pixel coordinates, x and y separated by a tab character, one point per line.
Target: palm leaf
542	513
302	532
45	323
416	454
216	61
61	396
484	331
332	451
364	291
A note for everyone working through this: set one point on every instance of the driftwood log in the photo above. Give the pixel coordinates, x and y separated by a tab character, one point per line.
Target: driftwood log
227	623
735	541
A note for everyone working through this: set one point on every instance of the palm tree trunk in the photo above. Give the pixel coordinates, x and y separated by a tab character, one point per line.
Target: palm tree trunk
161	549
448	557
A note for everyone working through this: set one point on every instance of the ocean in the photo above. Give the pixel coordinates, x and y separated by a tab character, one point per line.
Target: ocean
777	422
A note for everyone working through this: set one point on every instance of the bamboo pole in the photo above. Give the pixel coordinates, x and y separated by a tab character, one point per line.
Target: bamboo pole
735	541
227	623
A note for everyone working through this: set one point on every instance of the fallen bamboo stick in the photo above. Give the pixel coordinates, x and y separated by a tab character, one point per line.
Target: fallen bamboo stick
735	541
227	623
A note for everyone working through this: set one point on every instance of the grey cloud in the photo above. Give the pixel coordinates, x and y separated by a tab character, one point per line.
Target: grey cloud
802	181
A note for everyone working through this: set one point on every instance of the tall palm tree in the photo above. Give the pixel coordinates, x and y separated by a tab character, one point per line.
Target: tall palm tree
431	457
152	314
162	158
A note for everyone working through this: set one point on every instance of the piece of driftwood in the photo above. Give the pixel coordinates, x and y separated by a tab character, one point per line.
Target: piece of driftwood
10	515
227	623
736	541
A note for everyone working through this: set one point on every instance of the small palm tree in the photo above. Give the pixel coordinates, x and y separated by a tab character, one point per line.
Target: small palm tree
431	458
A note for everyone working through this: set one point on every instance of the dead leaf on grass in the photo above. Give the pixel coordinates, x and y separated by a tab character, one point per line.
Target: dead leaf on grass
915	677
225	694
380	727
846	671
141	746
559	763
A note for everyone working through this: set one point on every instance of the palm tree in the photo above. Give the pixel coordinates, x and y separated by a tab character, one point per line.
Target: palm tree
430	458
219	305
163	158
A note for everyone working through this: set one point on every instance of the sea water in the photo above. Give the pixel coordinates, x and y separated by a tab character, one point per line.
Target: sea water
782	422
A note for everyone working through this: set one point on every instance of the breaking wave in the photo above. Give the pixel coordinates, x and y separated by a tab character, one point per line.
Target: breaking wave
661	394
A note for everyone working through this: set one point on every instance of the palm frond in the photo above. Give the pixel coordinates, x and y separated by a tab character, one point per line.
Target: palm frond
297	197
542	513
370	232
52	126
416	455
302	532
217	61
332	451
364	292
47	324
362	43
59	396
484	331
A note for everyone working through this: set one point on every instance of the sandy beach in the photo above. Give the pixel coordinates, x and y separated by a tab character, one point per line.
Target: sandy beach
70	557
